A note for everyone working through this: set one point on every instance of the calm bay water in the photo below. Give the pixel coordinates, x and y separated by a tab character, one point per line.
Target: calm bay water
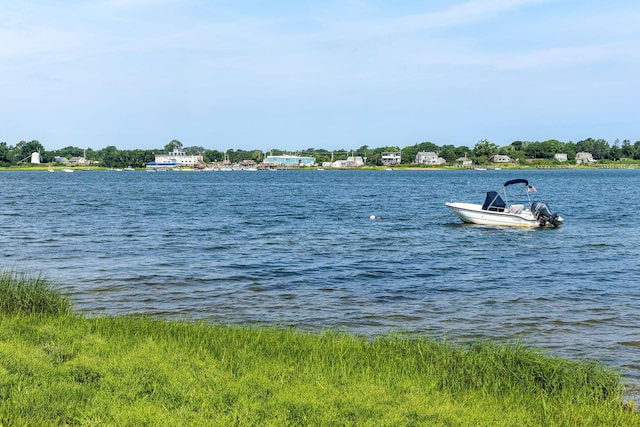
298	248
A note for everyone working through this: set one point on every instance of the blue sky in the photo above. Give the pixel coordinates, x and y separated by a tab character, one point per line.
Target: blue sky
323	74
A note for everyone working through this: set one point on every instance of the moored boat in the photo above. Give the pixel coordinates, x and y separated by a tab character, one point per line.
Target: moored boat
497	210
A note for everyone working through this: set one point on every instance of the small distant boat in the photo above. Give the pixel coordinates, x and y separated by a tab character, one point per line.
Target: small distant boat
68	170
129	168
496	210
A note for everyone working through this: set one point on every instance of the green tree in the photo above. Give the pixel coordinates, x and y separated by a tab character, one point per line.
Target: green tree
551	147
570	149
409	153
485	148
599	148
210	156
23	150
636	148
110	157
5	159
193	151
173	145
448	152
69	152
627	149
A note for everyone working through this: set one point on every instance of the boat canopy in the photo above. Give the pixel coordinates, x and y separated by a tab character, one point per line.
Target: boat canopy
493	202
516	181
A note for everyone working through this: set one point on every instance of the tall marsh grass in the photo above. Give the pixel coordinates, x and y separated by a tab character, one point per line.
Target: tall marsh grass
71	370
24	294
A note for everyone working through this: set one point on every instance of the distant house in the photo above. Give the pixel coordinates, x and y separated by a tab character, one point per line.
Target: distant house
500	158
391	158
351	162
428	158
583	157
177	157
464	161
77	160
561	157
59	159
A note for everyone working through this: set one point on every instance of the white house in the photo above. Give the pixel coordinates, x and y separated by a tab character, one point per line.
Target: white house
351	162
391	158
429	158
583	157
178	158
500	158
78	160
561	157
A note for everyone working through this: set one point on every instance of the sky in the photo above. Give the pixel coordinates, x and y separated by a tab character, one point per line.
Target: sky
333	74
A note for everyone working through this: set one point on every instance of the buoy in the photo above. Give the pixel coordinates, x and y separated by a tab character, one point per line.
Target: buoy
372	217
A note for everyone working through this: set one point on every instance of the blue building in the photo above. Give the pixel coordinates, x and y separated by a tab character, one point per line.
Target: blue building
287	160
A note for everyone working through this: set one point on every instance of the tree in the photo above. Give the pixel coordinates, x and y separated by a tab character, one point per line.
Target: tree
193	151
571	149
5	159
627	149
448	152
213	156
110	157
173	145
409	153
551	147
23	150
485	148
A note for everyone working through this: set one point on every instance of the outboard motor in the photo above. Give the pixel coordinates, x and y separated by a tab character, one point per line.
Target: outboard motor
544	215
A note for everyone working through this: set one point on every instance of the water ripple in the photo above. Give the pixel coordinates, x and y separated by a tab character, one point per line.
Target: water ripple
299	249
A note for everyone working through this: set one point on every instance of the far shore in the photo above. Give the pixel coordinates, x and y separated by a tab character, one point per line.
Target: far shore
509	166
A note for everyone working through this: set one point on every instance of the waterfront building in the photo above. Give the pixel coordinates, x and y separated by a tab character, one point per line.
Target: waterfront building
464	161
500	158
174	159
288	160
391	158
583	157
429	158
351	162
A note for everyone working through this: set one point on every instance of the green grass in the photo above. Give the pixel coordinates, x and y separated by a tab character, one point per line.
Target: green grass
22	294
60	368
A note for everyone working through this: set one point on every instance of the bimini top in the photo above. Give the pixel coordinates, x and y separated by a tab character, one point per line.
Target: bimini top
516	181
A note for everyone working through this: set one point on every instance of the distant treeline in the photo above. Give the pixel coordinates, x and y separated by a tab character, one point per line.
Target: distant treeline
520	151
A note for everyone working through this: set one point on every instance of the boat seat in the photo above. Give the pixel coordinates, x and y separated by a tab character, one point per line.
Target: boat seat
516	209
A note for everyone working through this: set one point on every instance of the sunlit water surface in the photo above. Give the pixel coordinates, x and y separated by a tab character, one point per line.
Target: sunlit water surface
298	248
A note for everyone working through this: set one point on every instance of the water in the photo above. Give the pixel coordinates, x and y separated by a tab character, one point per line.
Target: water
298	248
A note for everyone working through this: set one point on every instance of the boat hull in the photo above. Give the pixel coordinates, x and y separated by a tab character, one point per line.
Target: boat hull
471	213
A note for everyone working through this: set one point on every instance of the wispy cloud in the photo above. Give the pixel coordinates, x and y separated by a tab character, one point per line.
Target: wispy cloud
132	53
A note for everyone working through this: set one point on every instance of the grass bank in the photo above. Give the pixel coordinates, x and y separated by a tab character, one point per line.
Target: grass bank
61	368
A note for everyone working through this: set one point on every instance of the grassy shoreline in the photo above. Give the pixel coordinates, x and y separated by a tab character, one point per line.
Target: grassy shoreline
61	368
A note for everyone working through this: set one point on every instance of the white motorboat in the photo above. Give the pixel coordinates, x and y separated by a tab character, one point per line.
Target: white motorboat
497	210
